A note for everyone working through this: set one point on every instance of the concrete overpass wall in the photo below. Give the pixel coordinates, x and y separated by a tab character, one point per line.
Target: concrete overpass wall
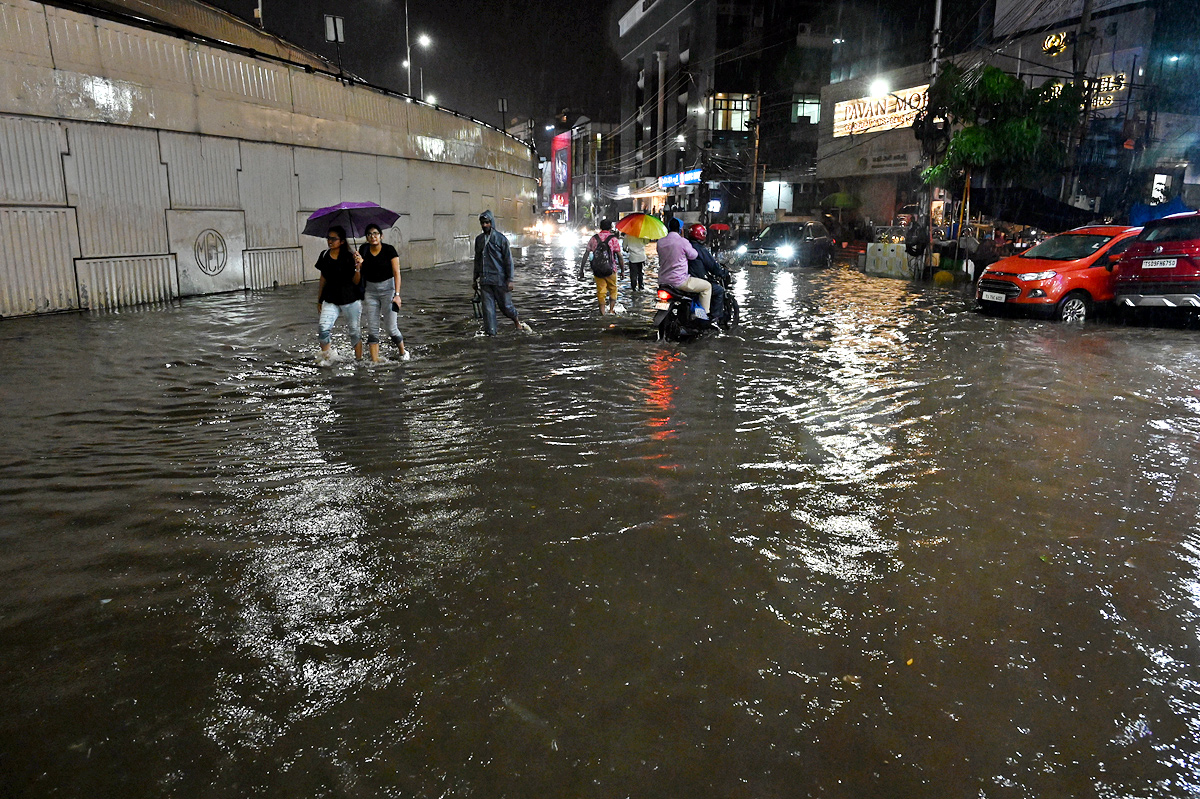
137	166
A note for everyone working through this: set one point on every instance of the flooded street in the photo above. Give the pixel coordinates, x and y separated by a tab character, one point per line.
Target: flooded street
872	544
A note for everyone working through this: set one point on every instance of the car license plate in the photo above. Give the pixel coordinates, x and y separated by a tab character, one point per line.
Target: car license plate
992	296
662	306
761	263
1158	263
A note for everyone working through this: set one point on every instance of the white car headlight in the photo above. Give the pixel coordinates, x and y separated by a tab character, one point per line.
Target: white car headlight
568	240
1036	275
786	251
741	250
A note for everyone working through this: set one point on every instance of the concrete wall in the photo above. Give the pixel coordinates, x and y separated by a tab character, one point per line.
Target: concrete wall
137	167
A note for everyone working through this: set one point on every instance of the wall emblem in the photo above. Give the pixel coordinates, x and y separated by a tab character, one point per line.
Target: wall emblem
1055	44
211	252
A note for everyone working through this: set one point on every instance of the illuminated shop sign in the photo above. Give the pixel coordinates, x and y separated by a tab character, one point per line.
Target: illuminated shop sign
870	114
1104	87
1055	44
680	179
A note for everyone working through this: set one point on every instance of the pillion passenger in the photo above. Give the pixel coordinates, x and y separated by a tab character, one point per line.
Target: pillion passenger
705	267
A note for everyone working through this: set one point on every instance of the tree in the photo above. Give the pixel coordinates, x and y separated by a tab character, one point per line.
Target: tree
991	125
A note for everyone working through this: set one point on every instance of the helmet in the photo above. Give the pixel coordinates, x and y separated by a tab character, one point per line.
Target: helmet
697	232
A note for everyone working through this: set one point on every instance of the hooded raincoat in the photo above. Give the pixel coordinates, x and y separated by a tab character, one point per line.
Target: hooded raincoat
493	257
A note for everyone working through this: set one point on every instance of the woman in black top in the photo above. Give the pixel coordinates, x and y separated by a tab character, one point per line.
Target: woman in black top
339	294
381	274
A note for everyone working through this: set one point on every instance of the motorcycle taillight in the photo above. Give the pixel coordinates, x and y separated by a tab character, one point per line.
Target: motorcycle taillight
664	295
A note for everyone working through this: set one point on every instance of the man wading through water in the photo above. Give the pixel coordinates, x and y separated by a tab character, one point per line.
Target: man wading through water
605	253
494	275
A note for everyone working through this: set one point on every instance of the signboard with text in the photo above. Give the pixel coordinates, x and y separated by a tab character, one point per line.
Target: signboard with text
680	179
872	114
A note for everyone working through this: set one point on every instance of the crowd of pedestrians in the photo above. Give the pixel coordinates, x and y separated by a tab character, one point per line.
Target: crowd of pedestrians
363	287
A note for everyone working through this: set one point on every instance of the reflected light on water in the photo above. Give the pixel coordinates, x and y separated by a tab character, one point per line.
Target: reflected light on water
783	294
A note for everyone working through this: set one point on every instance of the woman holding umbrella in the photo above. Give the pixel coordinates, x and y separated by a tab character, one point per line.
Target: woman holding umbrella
338	293
381	270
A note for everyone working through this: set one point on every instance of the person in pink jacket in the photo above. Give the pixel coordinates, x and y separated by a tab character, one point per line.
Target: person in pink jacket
673	254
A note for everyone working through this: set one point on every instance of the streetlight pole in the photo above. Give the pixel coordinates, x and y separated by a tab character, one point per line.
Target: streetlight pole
407	50
754	166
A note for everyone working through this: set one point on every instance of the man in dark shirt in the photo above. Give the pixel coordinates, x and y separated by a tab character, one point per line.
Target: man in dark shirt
705	267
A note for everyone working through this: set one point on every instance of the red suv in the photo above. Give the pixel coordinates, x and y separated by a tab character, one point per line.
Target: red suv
1065	277
1162	267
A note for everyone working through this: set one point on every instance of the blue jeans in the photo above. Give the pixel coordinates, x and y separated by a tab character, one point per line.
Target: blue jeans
329	316
377	303
493	296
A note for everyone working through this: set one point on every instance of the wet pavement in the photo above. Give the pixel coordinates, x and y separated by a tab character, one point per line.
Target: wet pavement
870	544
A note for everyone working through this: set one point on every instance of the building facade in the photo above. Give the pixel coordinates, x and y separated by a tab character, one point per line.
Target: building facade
1140	141
719	99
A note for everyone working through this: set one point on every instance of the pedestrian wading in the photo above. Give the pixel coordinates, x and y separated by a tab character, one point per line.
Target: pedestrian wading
494	275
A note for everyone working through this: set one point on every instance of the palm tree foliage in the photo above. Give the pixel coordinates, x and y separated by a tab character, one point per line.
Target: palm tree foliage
992	124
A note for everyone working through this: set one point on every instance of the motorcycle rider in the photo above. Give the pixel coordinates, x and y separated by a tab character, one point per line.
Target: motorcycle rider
673	254
705	267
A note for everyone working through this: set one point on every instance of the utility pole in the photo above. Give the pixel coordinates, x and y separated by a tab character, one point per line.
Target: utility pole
662	110
754	168
408	49
937	38
1081	54
258	14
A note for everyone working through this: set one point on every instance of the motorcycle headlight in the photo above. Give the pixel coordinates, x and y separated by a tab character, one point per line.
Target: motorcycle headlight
741	250
786	251
568	240
1036	275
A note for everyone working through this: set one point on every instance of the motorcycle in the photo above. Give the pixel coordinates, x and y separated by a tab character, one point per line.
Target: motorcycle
679	315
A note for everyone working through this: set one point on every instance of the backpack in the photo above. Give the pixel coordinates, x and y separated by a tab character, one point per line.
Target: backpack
602	257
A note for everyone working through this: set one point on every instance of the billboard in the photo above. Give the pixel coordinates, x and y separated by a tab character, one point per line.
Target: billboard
871	114
1015	16
560	163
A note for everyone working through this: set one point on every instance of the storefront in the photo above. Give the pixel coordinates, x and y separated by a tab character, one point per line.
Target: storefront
867	154
677	191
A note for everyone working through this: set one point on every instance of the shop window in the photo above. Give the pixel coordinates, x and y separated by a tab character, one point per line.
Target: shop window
807	108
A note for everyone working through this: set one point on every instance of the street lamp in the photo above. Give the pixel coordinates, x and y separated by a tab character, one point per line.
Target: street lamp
424	41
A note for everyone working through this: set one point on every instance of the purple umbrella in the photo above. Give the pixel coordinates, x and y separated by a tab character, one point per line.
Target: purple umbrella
354	217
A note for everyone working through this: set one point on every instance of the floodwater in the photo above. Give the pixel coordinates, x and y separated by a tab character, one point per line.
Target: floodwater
871	545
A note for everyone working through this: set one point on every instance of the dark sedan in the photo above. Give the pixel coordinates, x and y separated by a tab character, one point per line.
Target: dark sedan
789	244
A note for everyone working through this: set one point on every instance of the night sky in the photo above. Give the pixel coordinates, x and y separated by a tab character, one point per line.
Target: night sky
541	55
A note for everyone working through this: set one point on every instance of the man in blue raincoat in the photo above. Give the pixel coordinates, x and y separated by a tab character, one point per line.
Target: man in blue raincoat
494	275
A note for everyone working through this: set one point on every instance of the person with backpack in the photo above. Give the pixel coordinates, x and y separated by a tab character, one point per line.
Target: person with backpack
604	249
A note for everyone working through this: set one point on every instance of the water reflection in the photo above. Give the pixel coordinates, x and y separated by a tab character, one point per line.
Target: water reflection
870	544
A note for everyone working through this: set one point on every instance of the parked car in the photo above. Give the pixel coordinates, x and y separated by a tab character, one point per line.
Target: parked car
1161	269
1067	277
788	244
